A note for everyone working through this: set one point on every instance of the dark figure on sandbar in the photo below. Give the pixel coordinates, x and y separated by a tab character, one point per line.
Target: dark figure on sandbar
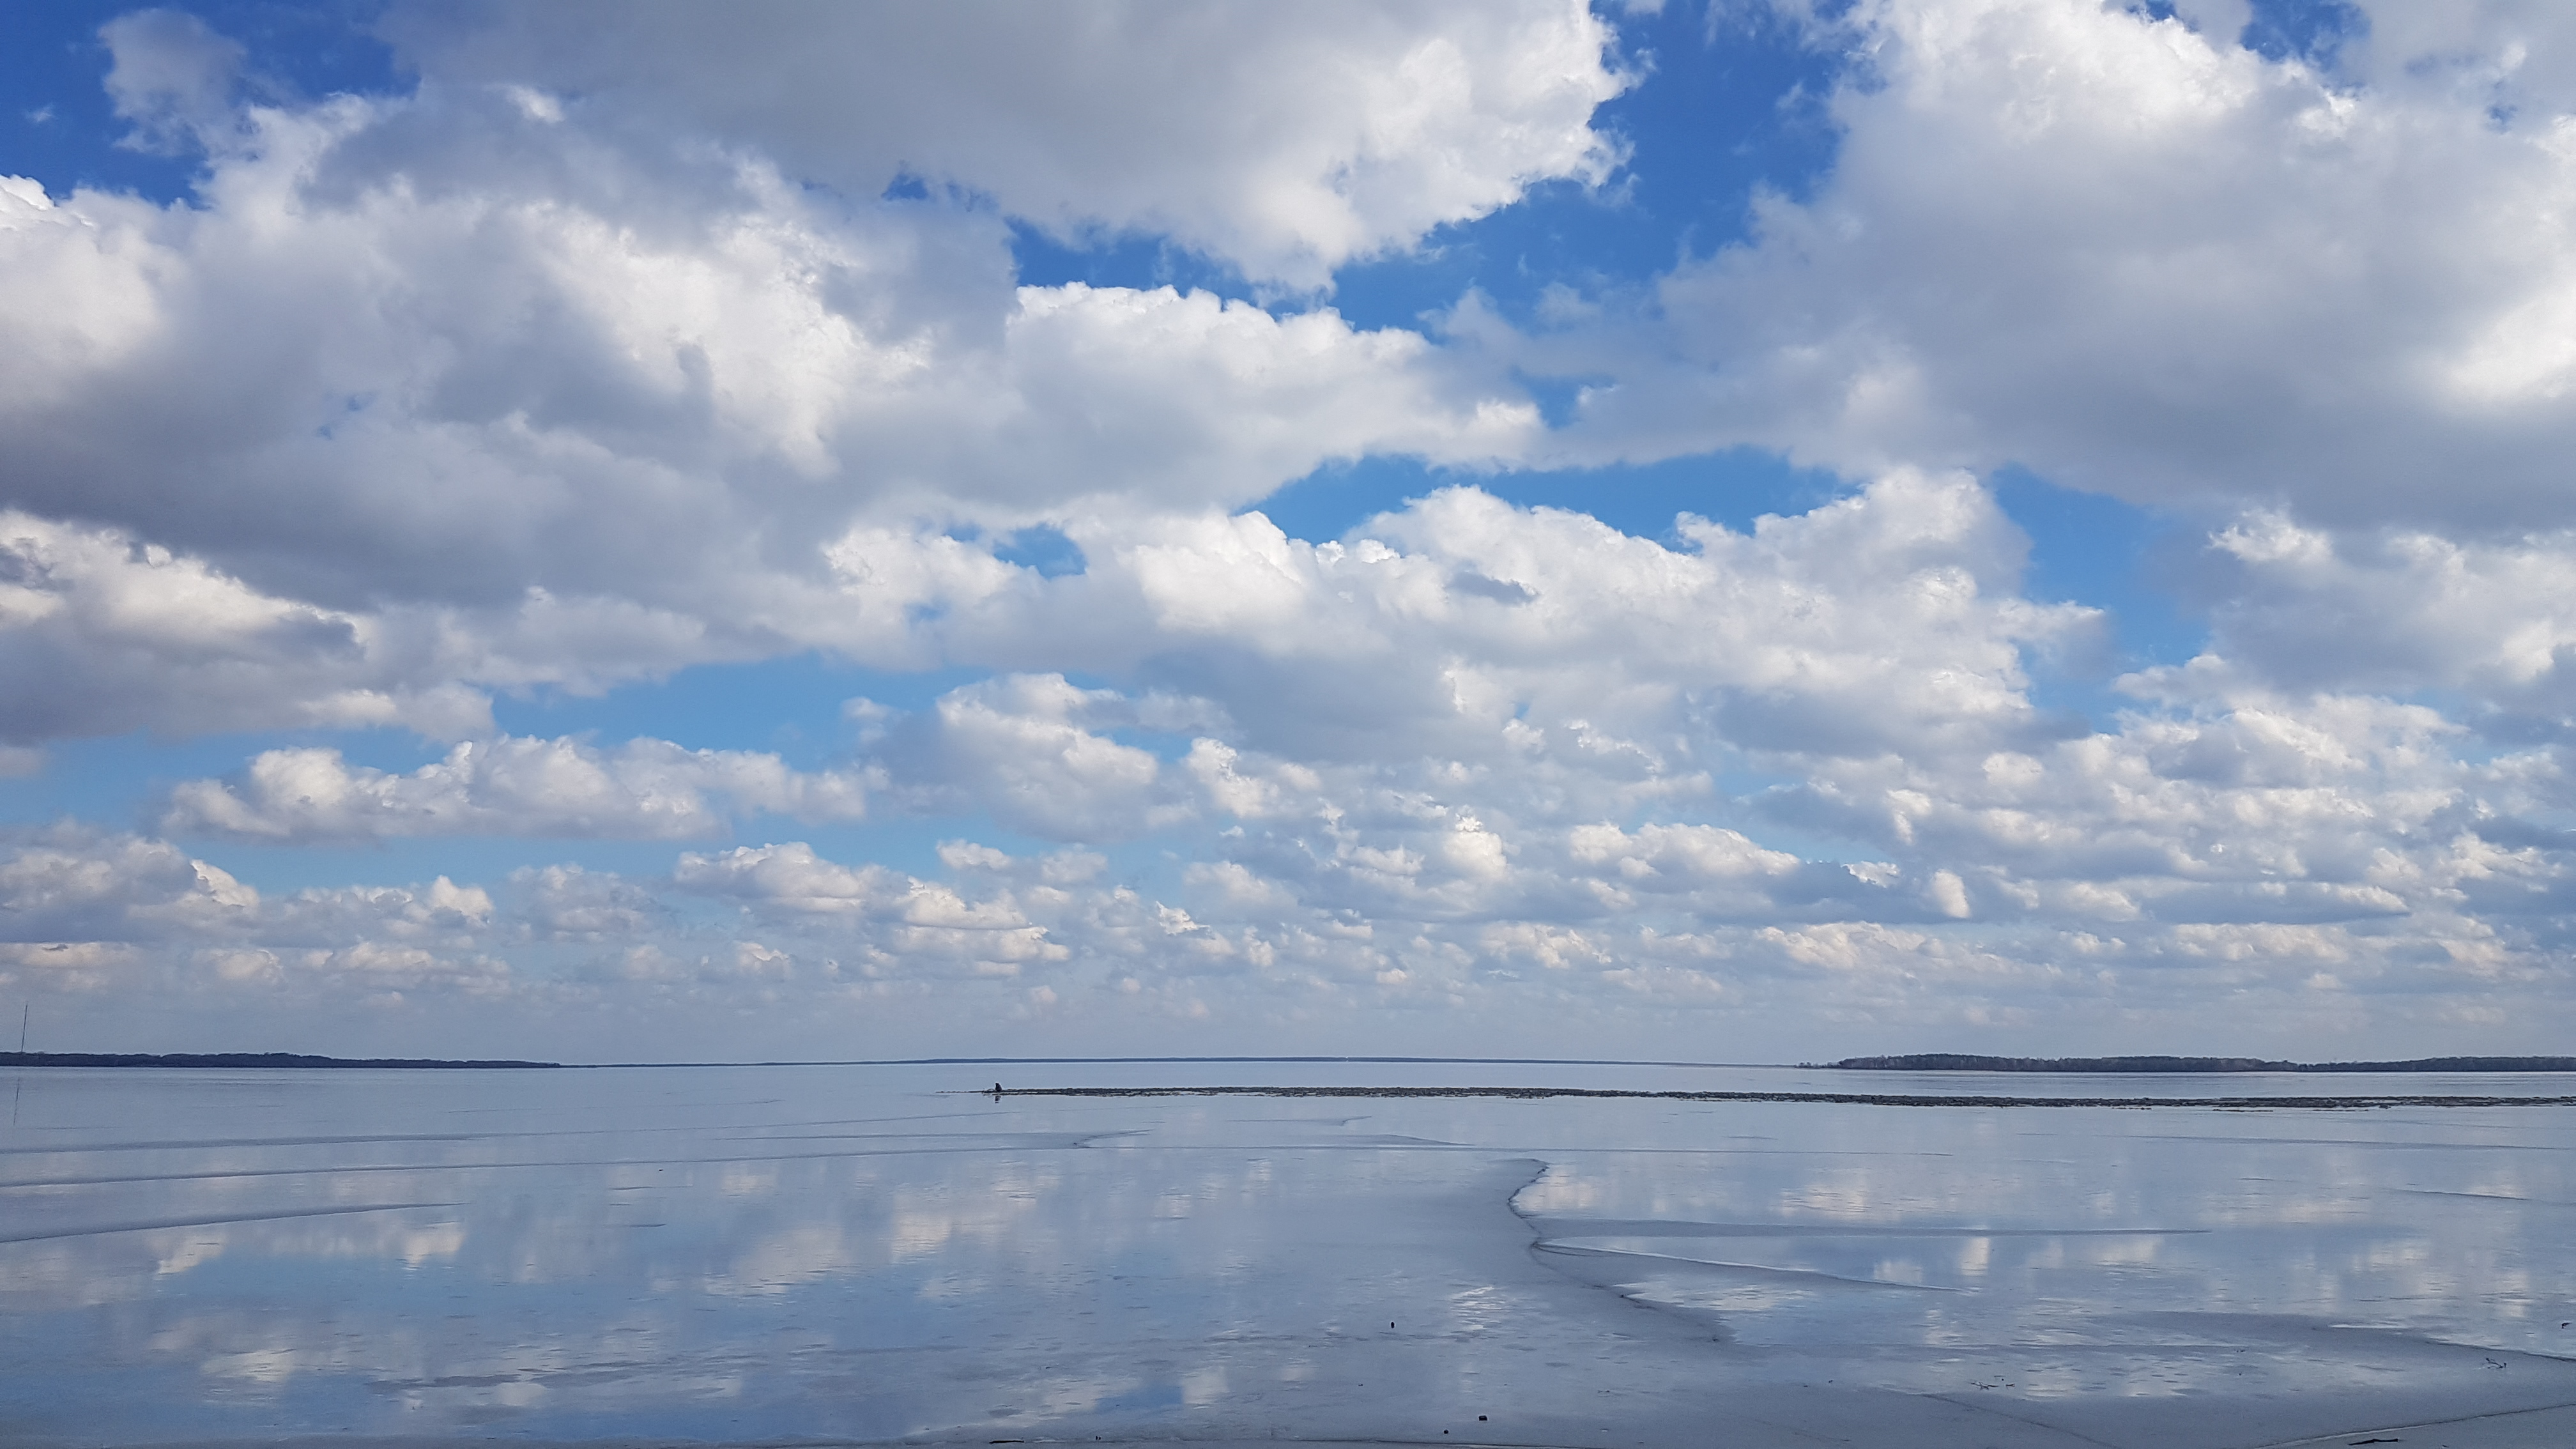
997	1091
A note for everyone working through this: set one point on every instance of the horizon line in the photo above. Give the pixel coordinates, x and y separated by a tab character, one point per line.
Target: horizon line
1132	1060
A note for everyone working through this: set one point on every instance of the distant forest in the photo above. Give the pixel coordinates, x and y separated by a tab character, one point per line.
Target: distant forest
1963	1062
230	1059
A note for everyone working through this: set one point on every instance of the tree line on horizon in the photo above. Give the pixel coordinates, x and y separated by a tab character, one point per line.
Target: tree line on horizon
1969	1062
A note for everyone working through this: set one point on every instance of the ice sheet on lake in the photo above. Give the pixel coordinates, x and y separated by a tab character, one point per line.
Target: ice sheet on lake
860	1254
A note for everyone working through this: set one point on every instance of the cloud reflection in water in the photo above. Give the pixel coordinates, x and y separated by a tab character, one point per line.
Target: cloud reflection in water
760	1253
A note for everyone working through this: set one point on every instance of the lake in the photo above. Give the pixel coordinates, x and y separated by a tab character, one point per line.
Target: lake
864	1253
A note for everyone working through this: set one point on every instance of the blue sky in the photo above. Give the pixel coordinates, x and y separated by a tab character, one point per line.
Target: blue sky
1739	530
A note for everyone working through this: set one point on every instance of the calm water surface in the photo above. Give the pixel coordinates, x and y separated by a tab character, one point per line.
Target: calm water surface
871	1253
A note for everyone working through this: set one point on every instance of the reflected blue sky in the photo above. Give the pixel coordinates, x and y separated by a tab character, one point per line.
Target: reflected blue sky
876	1252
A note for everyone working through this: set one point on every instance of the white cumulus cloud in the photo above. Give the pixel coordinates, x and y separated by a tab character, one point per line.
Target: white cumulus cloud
2140	258
643	790
1284	139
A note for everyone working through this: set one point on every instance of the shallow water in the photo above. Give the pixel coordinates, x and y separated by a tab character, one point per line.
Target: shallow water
763	1254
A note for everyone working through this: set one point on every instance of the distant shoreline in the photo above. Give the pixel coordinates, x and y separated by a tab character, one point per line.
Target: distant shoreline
1918	1062
243	1059
1853	1099
2107	1066
303	1060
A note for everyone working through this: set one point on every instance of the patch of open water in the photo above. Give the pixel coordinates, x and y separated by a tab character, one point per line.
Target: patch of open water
874	1252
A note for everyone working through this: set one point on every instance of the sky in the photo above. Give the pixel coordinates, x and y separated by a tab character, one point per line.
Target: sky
1753	530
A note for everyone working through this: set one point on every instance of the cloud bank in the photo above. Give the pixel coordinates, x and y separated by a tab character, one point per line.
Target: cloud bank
612	348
